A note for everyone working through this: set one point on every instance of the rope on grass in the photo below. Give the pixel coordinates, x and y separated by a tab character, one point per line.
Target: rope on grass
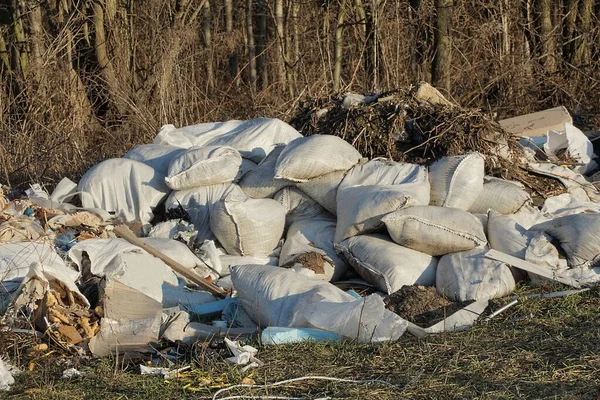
304	378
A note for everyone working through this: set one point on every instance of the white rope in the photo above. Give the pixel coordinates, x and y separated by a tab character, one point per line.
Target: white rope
304	378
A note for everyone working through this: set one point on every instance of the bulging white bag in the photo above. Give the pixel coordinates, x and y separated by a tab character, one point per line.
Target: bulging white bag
380	171
309	244
578	237
361	208
197	203
203	166
323	189
254	139
157	156
260	182
457	181
298	205
129	188
246	226
469	275
387	265
281	297
435	230
502	196
310	157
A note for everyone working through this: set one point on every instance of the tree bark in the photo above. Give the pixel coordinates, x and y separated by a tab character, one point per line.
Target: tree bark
338	45
261	44
206	32
21	40
546	34
4	54
281	54
582	52
250	44
104	62
442	60
569	25
232	57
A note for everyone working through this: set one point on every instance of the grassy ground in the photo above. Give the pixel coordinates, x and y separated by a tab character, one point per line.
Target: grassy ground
538	349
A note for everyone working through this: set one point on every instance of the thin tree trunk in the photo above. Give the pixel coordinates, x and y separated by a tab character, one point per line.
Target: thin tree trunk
206	31
37	48
582	51
295	11
280	26
504	18
338	46
261	44
442	60
372	56
362	16
250	44
418	40
232	56
547	39
569	29
104	62
4	55
21	45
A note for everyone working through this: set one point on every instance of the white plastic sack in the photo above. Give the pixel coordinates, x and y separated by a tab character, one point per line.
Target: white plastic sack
299	205
246	226
310	157
254	139
578	237
502	196
567	204
323	189
124	262
413	178
20	260
469	275
313	236
361	208
576	143
387	265
260	182
198	202
456	181
203	166
129	188
157	156
179	252
435	230
281	297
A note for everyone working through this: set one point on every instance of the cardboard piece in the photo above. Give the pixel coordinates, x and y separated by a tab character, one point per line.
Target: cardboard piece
538	123
131	320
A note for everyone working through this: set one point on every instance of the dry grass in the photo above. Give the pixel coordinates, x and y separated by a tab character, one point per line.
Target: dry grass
538	349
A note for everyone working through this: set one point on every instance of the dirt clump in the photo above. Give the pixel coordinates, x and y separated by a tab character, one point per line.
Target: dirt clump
421	305
313	261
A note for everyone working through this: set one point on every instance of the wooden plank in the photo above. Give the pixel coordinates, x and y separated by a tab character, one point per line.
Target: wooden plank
539	123
530	267
125	233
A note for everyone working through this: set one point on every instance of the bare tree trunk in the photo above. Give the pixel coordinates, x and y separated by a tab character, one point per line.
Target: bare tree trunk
251	50
295	11
281	55
418	40
362	16
547	38
21	40
442	60
4	54
232	56
338	46
206	32
261	44
504	18
104	62
37	31
569	29
582	51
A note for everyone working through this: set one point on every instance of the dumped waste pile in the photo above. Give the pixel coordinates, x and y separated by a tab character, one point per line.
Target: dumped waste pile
249	228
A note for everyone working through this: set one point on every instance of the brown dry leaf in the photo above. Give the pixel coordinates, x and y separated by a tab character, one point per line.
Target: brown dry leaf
247	381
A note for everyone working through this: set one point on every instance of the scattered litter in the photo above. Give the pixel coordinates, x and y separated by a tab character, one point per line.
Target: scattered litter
71	373
164	372
274	335
243	355
6	376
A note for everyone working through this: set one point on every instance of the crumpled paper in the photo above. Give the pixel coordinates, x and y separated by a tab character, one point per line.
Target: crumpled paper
242	355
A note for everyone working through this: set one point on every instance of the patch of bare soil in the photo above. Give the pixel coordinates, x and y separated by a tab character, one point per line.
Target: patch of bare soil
312	261
421	305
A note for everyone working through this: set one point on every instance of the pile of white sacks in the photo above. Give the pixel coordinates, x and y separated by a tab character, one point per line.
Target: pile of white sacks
262	196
